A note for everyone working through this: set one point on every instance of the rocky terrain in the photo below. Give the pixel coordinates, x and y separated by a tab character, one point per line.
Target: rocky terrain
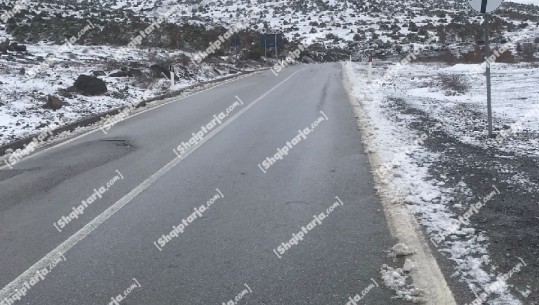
45	46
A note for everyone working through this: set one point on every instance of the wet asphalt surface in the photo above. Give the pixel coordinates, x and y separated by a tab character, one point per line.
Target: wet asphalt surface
231	248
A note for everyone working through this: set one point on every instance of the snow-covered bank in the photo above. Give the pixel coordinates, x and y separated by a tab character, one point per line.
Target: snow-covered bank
515	100
415	97
22	111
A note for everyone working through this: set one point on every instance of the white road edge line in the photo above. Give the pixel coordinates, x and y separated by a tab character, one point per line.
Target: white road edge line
69	243
401	223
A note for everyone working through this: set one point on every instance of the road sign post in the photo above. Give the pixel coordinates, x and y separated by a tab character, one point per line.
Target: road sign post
485	7
489	91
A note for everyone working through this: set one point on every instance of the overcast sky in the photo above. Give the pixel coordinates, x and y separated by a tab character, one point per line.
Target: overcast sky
536	2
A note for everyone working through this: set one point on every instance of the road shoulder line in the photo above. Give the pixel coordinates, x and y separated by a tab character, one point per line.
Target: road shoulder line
402	224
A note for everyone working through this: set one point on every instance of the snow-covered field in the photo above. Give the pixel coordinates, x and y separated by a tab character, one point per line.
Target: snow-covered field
22	111
515	100
418	91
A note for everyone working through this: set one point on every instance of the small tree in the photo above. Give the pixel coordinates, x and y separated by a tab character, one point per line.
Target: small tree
442	35
527	50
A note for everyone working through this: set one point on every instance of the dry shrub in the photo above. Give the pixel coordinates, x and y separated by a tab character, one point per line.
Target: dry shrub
506	57
445	56
453	83
475	56
526	51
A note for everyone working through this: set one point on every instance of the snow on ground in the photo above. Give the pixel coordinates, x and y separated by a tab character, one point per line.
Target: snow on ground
534	2
515	93
331	23
515	99
21	106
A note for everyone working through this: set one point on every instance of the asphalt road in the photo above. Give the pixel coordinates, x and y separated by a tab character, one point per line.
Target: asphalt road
231	248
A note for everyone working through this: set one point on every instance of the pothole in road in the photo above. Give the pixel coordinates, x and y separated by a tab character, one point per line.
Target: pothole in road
119	142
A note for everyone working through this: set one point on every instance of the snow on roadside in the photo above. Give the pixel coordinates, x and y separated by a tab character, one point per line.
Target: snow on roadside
515	97
22	98
408	180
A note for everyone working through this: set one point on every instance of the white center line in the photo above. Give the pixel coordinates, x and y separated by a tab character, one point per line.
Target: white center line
69	243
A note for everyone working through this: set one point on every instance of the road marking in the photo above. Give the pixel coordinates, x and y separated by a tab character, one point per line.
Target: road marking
401	223
69	243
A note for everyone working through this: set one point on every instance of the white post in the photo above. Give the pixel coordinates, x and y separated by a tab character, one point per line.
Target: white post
369	73
171	77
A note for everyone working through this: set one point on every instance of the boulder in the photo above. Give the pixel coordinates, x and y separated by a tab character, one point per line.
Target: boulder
159	71
119	74
4	46
54	102
15	47
99	73
135	73
124	72
90	85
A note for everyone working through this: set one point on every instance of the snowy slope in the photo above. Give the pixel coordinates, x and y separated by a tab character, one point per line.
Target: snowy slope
330	22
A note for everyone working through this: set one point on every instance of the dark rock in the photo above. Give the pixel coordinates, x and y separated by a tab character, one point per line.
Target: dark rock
54	102
120	74
99	73
90	85
22	71
4	46
20	48
135	73
15	47
160	71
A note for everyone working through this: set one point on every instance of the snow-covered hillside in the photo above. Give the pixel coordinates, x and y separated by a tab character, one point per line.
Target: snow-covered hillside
329	22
